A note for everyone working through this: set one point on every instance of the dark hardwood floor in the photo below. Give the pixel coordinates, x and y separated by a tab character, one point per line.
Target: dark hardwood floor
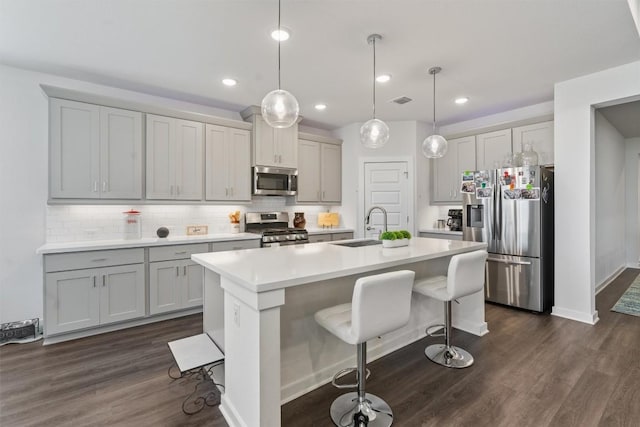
530	370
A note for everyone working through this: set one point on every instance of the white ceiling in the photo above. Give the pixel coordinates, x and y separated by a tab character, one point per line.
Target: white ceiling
502	54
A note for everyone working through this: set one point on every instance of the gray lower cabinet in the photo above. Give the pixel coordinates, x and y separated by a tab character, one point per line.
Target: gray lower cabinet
175	282
330	237
89	289
440	235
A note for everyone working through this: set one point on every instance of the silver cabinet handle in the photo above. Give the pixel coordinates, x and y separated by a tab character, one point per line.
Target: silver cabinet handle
226	191
178	190
323	196
184	270
177	271
98	259
180	253
94	281
275	158
231	191
104	280
506	261
171	190
104	186
279	158
95	186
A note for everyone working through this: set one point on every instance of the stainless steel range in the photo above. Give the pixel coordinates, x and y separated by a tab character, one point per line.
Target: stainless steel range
274	228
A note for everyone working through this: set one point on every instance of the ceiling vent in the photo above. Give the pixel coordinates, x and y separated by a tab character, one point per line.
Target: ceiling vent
402	100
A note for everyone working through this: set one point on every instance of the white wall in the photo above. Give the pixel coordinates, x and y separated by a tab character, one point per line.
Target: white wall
575	215
632	169
403	143
24	173
610	192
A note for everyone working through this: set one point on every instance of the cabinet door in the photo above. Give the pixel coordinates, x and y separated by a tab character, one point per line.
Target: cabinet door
216	164
160	157
308	171
287	146
442	190
264	143
71	300
465	151
120	154
239	165
192	284
540	136
331	173
121	293
491	148
164	286
75	149
189	160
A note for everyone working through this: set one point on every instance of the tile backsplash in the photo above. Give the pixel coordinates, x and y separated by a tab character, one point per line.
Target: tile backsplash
106	222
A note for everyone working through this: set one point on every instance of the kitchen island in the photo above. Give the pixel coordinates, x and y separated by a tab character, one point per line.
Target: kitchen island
259	306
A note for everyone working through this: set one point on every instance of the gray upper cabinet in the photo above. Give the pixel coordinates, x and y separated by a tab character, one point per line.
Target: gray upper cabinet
228	163
319	171
491	149
95	151
540	136
448	170
175	156
272	146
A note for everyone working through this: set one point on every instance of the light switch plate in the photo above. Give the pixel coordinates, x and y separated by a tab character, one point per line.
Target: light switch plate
197	230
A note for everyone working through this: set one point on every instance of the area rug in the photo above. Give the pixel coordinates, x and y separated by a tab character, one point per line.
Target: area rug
629	302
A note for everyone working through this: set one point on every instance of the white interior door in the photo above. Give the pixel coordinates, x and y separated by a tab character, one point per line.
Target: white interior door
386	184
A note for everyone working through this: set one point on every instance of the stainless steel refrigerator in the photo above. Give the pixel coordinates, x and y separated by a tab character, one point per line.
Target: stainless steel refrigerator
511	209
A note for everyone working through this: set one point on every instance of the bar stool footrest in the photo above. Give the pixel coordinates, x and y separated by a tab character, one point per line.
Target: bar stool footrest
432	334
341	373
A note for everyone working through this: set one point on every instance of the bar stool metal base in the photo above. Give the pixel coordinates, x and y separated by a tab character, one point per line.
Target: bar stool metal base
451	357
346	406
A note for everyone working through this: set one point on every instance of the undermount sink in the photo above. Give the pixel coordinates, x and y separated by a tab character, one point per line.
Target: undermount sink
359	243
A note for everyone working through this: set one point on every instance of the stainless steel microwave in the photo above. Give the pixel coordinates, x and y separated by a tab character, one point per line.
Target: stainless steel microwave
270	181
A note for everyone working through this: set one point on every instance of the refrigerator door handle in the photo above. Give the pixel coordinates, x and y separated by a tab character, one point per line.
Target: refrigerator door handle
506	261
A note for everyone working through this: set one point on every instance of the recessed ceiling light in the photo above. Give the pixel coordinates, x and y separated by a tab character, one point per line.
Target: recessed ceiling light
461	100
320	107
383	78
229	82
281	35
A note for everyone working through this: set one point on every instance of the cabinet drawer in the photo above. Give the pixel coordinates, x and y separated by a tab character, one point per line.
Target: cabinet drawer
92	259
166	253
342	236
317	238
235	245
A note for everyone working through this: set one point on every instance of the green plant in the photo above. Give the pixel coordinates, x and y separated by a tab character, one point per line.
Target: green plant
394	235
388	235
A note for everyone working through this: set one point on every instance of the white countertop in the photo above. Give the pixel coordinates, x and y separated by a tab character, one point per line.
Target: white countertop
440	231
272	268
93	245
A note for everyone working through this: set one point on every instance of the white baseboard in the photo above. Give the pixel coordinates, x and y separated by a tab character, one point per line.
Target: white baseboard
230	414
579	316
606	282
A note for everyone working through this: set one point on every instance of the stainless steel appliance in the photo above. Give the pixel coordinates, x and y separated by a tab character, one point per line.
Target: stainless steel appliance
512	210
274	228
269	181
455	219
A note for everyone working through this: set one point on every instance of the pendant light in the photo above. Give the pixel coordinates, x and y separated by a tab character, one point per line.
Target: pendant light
434	146
374	133
280	108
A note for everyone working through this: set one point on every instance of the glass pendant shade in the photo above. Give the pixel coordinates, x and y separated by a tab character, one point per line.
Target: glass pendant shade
374	133
280	109
434	147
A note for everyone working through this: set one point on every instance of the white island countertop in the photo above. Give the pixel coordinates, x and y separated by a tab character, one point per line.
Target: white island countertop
266	269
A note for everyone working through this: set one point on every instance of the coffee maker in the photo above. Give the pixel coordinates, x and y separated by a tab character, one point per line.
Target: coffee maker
455	219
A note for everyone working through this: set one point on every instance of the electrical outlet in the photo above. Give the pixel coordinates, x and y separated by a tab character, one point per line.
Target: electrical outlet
236	314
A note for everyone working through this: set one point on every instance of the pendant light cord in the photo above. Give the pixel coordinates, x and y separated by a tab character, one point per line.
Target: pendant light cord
279	37
374	78
434	102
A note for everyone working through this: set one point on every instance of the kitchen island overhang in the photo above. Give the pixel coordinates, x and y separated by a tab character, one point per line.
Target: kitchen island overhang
259	306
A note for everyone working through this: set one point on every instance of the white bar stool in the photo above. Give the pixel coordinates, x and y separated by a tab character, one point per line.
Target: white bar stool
380	304
465	276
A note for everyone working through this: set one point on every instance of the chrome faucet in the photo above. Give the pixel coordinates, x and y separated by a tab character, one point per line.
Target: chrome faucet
384	214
